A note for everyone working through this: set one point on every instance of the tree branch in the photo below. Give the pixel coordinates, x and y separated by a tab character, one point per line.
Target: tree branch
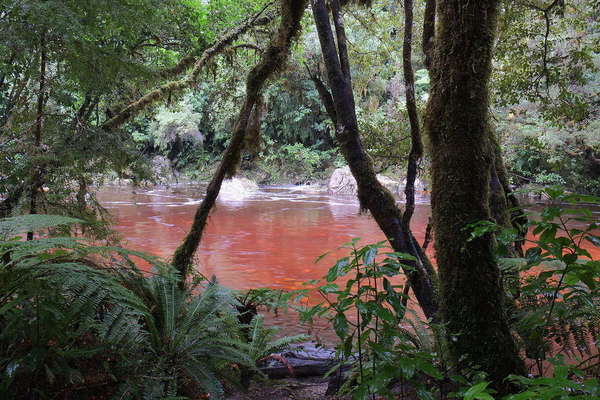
176	87
416	151
274	58
371	194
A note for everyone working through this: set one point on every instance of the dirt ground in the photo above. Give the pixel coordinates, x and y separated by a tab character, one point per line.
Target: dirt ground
285	389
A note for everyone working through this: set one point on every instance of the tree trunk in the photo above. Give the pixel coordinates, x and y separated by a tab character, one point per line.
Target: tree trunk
371	194
428	32
36	178
462	163
273	58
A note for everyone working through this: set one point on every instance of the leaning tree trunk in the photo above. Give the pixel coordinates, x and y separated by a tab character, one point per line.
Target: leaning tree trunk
371	194
273	58
462	162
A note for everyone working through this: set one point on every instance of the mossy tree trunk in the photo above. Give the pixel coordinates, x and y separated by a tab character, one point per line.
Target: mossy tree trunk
273	58
371	194
463	160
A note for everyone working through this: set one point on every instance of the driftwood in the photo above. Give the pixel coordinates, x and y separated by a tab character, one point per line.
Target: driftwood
303	361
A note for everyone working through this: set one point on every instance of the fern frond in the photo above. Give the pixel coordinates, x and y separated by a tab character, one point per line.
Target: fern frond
32	223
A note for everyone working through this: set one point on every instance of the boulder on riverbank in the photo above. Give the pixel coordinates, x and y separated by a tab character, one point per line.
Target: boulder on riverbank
237	189
342	182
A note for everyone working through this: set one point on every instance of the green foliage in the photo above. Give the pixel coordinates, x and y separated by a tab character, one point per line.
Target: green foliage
565	383
71	312
10	227
58	309
191	339
368	312
64	64
546	154
558	297
555	310
554	65
295	163
262	340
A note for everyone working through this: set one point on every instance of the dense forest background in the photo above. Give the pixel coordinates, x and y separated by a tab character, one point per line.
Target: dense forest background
544	92
505	93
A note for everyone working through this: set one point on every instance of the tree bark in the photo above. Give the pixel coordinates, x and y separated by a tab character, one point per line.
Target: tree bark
36	178
428	32
371	194
273	59
477	330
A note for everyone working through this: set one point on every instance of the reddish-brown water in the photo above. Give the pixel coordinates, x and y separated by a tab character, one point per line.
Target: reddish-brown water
268	239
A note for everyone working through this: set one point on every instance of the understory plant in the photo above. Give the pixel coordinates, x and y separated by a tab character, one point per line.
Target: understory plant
554	312
377	340
77	318
556	299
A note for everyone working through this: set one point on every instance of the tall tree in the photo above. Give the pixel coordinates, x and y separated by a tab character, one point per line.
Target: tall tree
372	195
478	333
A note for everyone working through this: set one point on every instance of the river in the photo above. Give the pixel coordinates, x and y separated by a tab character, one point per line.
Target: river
271	238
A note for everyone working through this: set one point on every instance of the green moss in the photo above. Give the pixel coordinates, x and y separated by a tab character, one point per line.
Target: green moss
463	162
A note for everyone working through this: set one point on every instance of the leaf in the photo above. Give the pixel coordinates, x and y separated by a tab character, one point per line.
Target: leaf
369	256
329	288
407	366
340	325
322	256
33	223
475	390
338	269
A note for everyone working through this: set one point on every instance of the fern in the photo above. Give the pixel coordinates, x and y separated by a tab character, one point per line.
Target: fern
193	336
262	342
32	223
58	307
63	301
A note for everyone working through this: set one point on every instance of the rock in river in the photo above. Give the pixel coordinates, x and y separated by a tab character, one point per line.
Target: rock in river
237	189
342	182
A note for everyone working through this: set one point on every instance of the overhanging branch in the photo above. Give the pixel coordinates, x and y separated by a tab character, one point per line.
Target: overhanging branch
176	87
